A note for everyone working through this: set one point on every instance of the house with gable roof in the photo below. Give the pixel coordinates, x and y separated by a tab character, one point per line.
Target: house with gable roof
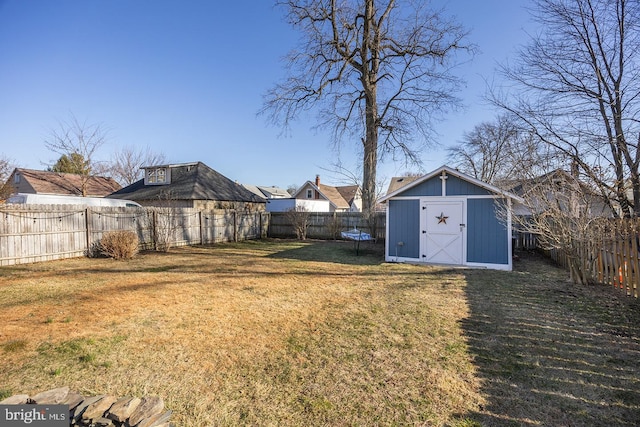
341	199
562	189
30	181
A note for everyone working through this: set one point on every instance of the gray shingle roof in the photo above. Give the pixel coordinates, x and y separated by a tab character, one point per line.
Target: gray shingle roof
192	181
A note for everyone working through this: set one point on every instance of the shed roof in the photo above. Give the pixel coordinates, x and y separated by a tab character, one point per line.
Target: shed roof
453	172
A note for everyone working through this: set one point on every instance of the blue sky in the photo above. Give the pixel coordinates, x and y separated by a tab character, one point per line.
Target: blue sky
187	77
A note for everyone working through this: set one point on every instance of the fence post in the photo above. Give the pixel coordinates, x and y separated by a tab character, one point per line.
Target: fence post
154	229
87	229
235	225
213	226
201	227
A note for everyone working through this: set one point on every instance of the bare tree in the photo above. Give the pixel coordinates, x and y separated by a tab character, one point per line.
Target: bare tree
78	142
126	163
577	88
566	215
299	217
6	167
292	189
346	175
377	71
498	152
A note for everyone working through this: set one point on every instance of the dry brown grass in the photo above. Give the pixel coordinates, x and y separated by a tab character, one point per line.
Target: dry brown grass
307	333
254	333
551	353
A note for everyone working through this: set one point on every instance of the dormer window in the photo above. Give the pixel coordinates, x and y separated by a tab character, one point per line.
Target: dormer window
156	176
309	194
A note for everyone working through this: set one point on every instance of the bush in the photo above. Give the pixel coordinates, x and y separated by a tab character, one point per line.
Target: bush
299	218
334	225
119	244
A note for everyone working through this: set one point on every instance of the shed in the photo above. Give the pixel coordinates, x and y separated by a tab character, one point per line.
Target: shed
447	217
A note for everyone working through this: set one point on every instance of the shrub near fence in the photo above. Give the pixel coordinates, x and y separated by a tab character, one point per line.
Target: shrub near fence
48	232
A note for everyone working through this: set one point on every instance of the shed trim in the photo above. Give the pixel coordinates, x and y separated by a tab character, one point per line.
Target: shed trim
447	170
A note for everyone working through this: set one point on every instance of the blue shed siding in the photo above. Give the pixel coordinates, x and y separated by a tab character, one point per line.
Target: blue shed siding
404	226
460	187
431	187
487	236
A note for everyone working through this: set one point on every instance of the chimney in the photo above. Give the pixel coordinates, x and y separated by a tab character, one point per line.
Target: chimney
317	180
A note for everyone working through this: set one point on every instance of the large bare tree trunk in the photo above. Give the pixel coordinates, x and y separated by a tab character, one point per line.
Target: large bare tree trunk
377	69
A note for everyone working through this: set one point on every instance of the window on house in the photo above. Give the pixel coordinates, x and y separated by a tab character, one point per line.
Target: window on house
157	176
16	178
309	194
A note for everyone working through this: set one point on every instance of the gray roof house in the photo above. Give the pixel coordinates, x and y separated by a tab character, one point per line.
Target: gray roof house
272	192
190	185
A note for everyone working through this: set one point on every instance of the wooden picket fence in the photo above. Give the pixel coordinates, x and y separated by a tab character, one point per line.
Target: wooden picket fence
611	256
49	232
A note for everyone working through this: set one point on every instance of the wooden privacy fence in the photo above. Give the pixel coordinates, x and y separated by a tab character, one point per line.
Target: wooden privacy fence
48	232
523	240
611	255
327	225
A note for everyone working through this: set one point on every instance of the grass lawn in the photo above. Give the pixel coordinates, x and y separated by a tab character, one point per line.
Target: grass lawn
307	333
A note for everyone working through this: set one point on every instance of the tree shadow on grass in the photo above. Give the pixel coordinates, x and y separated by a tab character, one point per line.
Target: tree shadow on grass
552	353
337	251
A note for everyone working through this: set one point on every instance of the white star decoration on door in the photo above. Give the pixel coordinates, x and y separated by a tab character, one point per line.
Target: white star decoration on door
442	219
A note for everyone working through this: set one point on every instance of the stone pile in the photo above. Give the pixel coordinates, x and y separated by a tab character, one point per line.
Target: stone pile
101	411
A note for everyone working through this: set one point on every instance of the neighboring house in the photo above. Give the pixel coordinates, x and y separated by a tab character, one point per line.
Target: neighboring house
400	181
190	185
272	192
29	181
562	189
447	217
341	199
284	205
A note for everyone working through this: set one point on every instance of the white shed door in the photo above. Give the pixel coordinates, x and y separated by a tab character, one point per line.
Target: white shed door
443	237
